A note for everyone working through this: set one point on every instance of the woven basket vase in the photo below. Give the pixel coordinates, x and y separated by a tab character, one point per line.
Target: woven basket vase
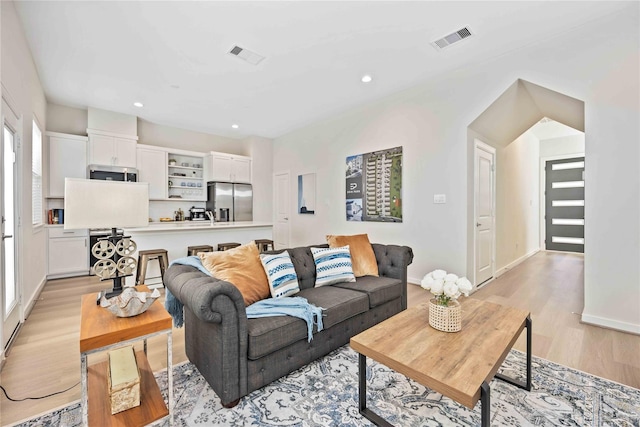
445	318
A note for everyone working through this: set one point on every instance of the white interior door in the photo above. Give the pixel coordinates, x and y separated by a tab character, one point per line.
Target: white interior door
484	213
8	230
281	189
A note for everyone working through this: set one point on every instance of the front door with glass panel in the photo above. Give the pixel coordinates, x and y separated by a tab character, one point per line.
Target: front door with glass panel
564	205
10	294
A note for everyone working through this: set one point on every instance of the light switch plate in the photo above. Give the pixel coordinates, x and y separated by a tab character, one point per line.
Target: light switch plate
439	198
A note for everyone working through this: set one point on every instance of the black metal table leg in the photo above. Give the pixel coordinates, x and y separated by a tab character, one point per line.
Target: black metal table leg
526	384
362	382
529	332
485	404
362	395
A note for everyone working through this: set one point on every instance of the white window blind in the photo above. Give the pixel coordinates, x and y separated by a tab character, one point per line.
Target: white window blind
36	175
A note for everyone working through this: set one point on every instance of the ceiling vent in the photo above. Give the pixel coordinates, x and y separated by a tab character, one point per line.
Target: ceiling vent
246	55
452	38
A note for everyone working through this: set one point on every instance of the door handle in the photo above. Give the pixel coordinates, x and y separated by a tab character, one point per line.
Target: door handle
286	219
478	224
4	236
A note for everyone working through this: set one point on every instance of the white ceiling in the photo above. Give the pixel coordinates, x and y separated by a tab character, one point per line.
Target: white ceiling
172	55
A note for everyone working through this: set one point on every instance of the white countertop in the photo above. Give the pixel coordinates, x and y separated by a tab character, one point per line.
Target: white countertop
196	225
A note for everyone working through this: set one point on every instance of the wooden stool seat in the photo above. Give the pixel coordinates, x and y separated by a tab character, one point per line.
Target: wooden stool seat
229	245
264	244
194	250
144	257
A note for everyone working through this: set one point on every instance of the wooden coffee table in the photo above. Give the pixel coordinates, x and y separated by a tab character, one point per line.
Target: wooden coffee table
459	365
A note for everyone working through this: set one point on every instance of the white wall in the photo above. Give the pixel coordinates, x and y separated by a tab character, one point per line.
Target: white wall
430	121
517	200
20	82
66	119
261	152
110	121
434	156
166	136
563	145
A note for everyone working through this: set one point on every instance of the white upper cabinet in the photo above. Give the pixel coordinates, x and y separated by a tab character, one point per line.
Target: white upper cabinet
67	159
112	149
152	168
228	168
241	169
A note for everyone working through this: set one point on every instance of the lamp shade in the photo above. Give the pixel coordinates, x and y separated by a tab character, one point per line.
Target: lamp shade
93	203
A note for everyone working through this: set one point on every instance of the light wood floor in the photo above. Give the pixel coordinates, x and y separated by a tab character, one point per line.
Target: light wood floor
45	357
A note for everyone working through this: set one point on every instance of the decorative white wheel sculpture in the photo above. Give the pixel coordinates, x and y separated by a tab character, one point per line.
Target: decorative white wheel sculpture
103	249
123	265
127	265
105	268
126	247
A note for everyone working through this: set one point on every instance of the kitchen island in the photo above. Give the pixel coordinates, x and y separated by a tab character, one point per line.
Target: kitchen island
176	236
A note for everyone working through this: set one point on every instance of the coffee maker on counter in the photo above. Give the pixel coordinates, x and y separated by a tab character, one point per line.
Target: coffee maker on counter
196	214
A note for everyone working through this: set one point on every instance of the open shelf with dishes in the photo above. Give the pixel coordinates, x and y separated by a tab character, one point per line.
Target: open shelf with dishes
185	175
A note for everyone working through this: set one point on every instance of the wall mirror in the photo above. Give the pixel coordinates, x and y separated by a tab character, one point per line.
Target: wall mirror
307	193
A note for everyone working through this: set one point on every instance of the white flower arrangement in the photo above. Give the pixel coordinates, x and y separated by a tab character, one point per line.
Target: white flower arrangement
446	287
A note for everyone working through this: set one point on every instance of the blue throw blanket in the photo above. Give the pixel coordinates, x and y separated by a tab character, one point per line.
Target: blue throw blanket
171	303
290	306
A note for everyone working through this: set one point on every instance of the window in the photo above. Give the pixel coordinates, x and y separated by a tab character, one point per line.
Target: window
36	175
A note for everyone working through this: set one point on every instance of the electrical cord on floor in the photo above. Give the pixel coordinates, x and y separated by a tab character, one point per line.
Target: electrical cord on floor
36	398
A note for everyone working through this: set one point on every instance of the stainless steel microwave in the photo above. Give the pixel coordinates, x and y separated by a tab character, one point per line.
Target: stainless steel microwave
112	173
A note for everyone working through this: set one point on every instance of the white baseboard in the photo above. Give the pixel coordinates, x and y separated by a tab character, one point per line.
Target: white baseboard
611	324
414	280
512	264
30	304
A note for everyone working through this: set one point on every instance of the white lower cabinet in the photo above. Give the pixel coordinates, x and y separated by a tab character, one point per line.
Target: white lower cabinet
68	253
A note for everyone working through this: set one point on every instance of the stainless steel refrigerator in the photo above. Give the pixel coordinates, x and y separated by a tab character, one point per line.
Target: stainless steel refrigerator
230	202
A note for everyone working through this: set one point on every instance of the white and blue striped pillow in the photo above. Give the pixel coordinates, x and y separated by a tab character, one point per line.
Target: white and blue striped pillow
283	280
333	265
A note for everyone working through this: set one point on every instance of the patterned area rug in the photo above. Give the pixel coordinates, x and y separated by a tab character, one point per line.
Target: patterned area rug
325	393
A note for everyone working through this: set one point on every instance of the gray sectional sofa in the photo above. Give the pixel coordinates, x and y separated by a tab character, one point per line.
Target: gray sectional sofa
237	355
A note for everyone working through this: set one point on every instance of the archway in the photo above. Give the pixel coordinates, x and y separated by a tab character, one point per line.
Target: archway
520	107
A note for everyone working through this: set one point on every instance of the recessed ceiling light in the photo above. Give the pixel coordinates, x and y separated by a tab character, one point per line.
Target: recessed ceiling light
366	78
138	104
235	126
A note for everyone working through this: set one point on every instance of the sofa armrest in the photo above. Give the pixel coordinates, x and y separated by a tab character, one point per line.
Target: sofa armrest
210	299
393	261
216	335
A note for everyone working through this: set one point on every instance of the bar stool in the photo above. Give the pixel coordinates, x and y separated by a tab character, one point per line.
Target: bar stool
144	257
195	250
263	244
229	245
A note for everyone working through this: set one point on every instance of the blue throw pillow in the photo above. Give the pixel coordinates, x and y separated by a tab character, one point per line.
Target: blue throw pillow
333	265
283	280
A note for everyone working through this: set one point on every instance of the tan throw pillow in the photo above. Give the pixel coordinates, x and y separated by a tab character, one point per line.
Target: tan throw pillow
242	267
362	256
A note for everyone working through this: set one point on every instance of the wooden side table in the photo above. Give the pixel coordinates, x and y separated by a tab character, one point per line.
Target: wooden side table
101	330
